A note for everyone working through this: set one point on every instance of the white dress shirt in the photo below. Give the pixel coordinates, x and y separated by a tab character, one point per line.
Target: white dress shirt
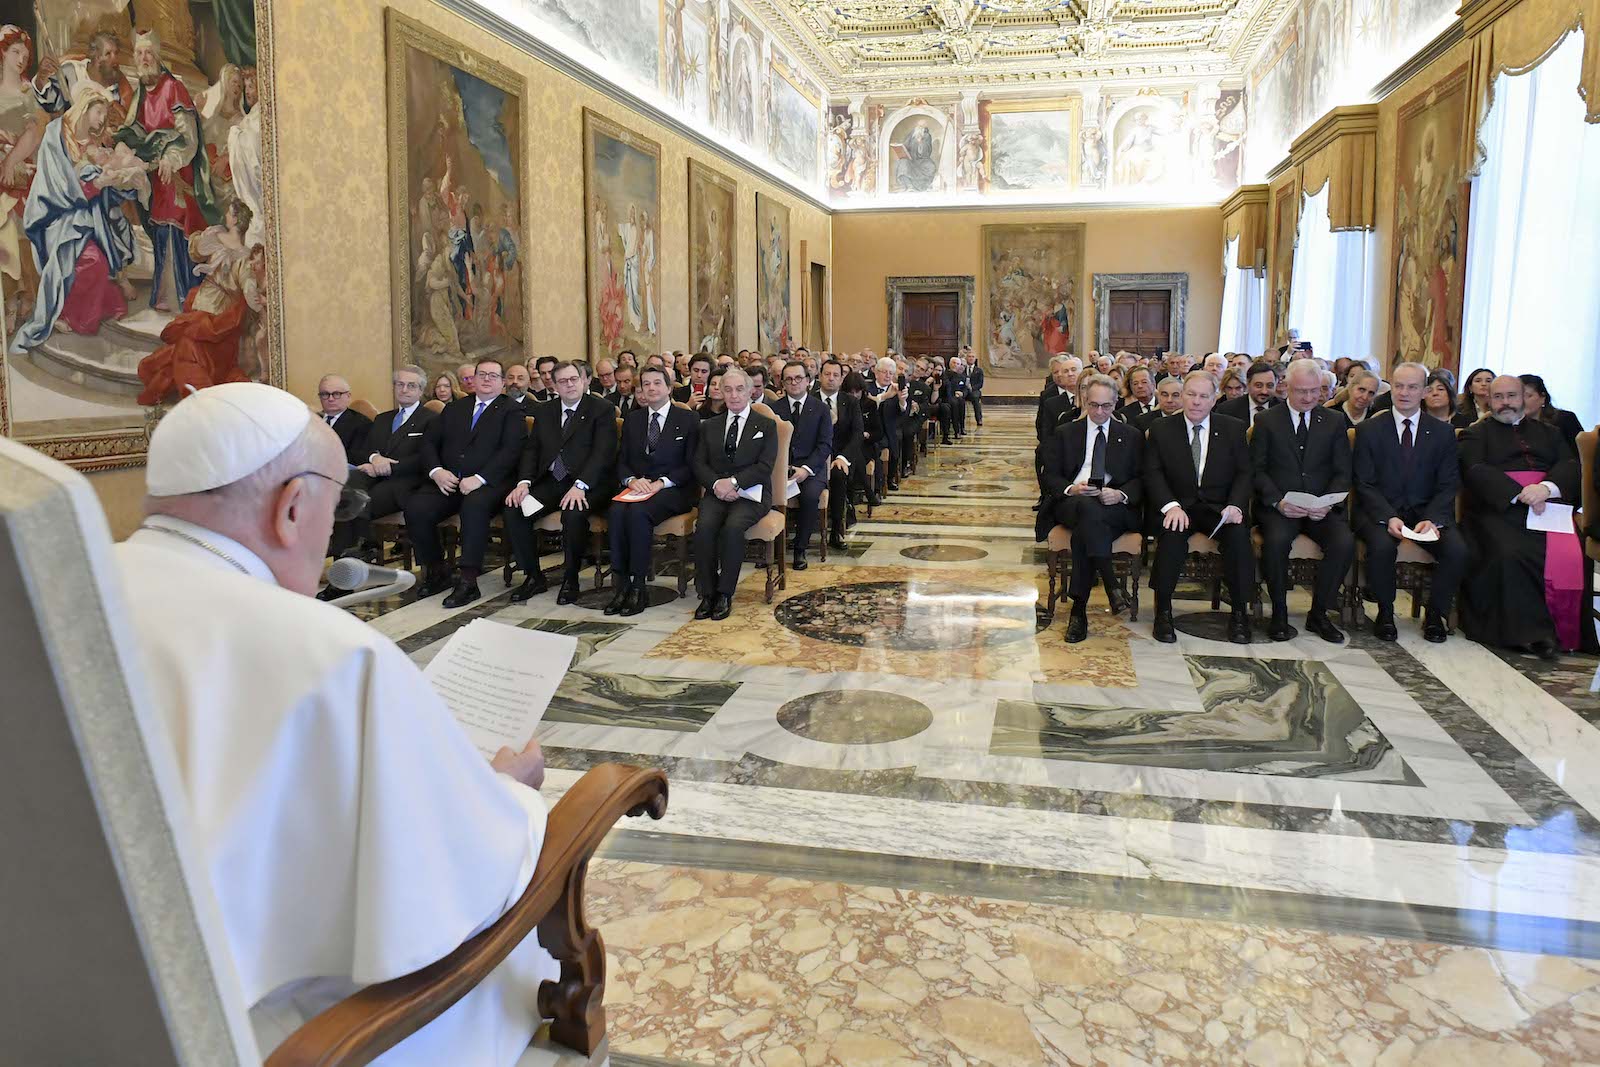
666	406
1088	448
1205	451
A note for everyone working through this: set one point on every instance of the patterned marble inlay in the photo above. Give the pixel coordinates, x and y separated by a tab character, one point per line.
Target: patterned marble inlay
592	636
915	616
945	515
622	700
944	553
979	489
854	717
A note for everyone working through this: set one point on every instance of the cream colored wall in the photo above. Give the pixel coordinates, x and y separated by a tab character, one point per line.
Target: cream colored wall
872	246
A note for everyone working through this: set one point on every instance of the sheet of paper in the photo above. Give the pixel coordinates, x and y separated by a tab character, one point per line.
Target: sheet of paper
530	506
752	493
633	496
1557	518
792	491
497	680
1406	531
1308	501
1220	524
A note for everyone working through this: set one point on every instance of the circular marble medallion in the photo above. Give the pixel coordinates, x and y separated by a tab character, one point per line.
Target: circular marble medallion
1213	625
978	488
855	717
655	594
944	553
920	616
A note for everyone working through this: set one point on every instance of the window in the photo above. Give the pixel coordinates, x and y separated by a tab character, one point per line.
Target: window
1330	293
1244	306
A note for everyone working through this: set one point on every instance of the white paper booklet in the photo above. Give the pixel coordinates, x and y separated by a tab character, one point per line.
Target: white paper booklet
1406	531
530	506
752	493
1307	501
497	680
1557	518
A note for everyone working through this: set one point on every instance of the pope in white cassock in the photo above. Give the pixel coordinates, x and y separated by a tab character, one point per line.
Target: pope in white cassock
351	832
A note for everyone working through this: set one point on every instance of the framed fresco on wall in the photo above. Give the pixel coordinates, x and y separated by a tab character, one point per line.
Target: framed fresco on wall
794	124
713	260
98	343
622	213
1032	296
1031	144
457	224
1429	267
772	275
1285	224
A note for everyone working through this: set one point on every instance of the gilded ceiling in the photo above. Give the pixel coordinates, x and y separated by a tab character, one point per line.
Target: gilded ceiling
879	46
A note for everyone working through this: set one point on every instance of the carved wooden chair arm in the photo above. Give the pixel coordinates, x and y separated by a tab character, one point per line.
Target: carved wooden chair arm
363	1026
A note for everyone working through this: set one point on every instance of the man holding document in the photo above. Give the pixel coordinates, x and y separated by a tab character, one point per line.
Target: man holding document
350	830
733	464
658	445
1300	452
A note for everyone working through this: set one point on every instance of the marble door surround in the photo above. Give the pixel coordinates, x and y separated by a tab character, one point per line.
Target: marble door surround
896	288
1106	284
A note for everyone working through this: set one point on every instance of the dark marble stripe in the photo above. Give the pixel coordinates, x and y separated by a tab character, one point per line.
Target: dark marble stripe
445	627
594	699
592	636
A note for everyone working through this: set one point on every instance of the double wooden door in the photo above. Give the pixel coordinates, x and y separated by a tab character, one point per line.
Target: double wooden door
1141	321
930	324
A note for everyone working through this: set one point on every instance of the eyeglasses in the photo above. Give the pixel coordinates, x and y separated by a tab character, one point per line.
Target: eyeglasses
569	380
488	375
408	386
323	395
352	501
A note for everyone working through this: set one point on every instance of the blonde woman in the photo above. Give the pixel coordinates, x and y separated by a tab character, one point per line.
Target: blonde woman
446	388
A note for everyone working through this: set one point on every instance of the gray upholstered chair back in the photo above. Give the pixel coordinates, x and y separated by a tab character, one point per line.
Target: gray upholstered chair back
103	943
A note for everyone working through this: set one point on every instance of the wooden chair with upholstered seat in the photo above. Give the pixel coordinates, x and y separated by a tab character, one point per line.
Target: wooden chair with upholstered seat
1586	520
1127	555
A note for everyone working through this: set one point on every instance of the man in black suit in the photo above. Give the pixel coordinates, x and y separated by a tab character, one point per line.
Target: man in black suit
658	445
1092	486
389	468
847	453
605	379
1174	365
333	393
886	391
956	389
810	449
1408	474
1062	390
975	381
567	465
1303	447
1261	393
543	391
1142	386
693	391
919	406
1169	401
469	453
733	464
622	397
1197	475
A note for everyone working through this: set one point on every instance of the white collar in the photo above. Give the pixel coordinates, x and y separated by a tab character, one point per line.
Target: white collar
1294	416
665	407
1093	429
828	397
331	419
405	412
180	536
1205	424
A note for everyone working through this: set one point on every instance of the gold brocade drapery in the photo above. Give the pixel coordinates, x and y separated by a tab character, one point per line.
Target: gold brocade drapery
1514	36
1340	150
1244	215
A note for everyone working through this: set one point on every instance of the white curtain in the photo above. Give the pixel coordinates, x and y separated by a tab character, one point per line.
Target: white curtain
1330	293
1533	243
1244	306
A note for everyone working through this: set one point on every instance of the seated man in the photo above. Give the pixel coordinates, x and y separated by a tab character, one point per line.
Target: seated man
891	412
567	464
919	405
622	397
846	451
349	829
517	386
733	464
658	445
469	452
1407	473
1091	484
1169	401
1142	398
1525	587
390	467
810	448
333	394
955	397
693	391
1261	386
1059	402
1303	447
1197	473
975	381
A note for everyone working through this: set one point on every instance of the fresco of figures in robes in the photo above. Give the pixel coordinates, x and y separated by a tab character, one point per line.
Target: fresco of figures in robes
713	260
1285	226
772	275
456	203
622	206
1032	276
151	282
1430	226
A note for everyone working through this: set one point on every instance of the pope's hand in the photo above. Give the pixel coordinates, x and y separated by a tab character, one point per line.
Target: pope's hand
446	481
517	496
526	766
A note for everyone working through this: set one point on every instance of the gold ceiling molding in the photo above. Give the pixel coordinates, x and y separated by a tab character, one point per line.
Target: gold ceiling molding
1244	215
1340	150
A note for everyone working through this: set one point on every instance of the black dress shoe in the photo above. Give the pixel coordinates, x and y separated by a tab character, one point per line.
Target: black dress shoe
1239	628
799	563
434	585
1383	627
533	585
1280	630
1319	623
1120	600
1434	629
721	608
1163	630
894	486
1077	627
463	594
619	598
704	610
637	599
837	544
569	591
1543	648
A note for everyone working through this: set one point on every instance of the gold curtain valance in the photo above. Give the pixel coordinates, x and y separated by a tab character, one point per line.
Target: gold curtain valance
1515	36
1340	150
1244	215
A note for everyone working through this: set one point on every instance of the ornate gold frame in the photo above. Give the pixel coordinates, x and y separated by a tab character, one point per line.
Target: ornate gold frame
116	449
593	123
1072	105
404	33
699	171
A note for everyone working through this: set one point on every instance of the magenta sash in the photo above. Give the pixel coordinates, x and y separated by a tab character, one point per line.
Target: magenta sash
1563	574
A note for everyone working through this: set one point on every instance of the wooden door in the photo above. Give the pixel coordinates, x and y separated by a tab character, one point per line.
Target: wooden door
1141	321
930	324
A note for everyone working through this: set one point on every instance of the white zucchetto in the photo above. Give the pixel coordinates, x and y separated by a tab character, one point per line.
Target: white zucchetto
218	435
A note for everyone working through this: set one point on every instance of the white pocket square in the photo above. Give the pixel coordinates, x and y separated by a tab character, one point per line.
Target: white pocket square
759	435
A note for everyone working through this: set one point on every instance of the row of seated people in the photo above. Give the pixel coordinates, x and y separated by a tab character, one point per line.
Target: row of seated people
1205	470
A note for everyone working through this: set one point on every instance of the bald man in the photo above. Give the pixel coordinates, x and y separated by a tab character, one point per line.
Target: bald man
333	394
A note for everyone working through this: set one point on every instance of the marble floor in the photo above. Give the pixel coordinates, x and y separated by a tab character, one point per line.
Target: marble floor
908	827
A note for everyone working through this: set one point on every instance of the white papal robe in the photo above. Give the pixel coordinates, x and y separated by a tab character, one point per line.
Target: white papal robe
351	832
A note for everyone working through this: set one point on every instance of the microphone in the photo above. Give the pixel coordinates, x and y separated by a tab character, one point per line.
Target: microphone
366	582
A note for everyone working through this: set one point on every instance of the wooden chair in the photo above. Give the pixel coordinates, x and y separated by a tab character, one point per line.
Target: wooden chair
142	941
364	407
1305	557
770	533
1588	527
1127	555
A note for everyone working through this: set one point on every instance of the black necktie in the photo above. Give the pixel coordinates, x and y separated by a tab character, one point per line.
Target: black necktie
566	413
1300	432
731	445
328	419
1407	442
654	435
1097	463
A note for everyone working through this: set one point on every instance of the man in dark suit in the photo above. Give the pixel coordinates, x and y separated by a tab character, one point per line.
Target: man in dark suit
1261	393
567	465
810	449
733	464
886	391
1092	486
847	452
622	397
1174	365
1197	475
1302	447
1169	401
389	466
1058	401
1142	386
333	393
658	445
469	453
543	391
956	389
920	405
975	382
693	391
1408	474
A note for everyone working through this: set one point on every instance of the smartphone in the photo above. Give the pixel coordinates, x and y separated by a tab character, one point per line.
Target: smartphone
1097	483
